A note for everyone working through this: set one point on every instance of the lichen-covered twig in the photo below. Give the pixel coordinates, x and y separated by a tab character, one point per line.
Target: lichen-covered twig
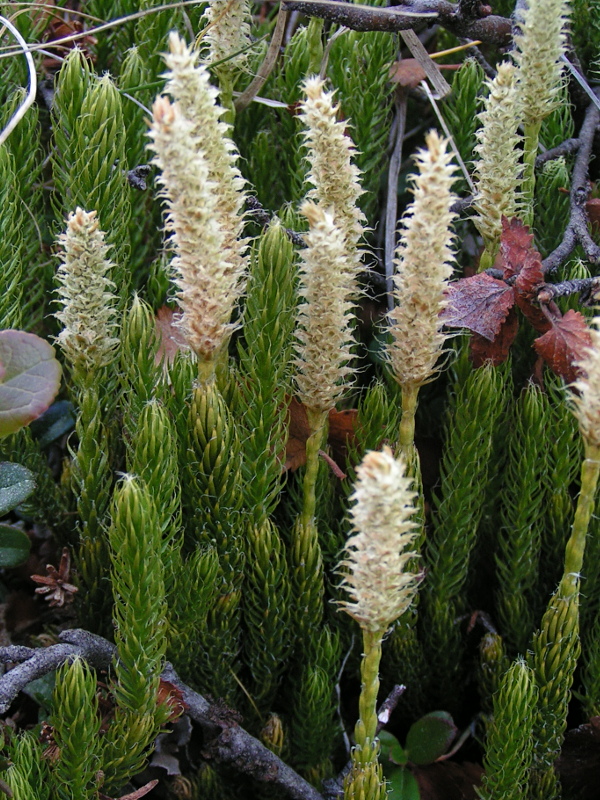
577	229
491	29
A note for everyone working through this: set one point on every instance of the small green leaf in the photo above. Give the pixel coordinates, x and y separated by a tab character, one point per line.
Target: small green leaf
430	737
391	749
54	423
29	379
14	546
402	784
41	690
16	484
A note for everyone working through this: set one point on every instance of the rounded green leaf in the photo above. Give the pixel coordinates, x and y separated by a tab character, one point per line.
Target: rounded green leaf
29	379
391	749
16	484
14	546
402	784
430	737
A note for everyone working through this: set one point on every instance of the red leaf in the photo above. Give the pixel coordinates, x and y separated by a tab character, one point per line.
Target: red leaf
520	258
515	243
480	303
482	350
531	276
565	344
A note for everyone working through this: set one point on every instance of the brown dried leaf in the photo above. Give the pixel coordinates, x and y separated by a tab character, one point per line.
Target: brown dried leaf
143	790
593	211
170	337
172	697
480	303
496	352
565	344
342	426
531	275
579	762
448	780
407	72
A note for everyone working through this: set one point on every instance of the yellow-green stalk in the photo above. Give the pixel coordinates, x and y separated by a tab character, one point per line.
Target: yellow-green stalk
205	274
88	306
423	266
227	33
381	588
498	169
539	47
334	178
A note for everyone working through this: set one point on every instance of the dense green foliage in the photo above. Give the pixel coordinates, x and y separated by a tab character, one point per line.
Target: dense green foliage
198	555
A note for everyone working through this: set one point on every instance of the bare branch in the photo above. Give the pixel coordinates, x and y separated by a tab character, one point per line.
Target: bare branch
563	149
490	29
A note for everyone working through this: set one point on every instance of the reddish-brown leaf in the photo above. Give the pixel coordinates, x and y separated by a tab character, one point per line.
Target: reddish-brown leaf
448	780
480	303
515	243
579	762
408	73
593	211
342	426
565	344
531	276
496	352
533	314
171	696
170	336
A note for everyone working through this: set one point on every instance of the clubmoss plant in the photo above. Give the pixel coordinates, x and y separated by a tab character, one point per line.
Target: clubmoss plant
28	774
460	112
556	647
520	537
11	302
508	756
89	341
140	618
202	188
227	35
189	84
88	313
381	589
333	175
76	728
324	335
477	407
498	168
423	266
540	43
